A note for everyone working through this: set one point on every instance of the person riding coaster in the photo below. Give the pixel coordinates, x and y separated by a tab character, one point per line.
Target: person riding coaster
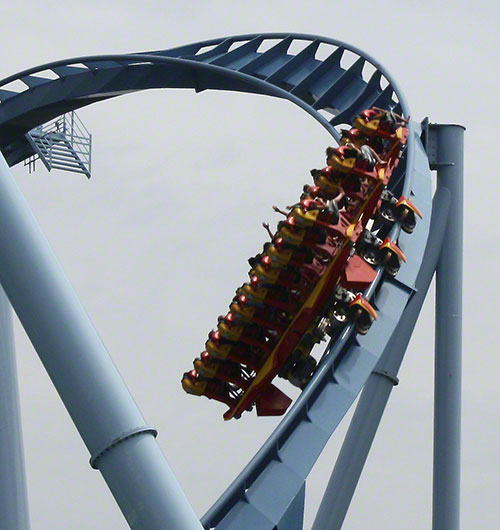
268	318
290	278
309	272
380	122
363	161
286	255
236	352
281	255
274	263
220	337
213	368
328	182
353	136
328	211
332	183
194	383
392	117
301	243
250	334
312	238
274	296
311	191
299	289
254	260
314	213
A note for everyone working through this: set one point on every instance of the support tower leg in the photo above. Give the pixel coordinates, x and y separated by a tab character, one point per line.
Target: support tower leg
447	141
13	497
377	390
122	446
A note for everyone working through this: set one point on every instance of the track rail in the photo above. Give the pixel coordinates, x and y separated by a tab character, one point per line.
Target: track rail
269	492
258	498
332	93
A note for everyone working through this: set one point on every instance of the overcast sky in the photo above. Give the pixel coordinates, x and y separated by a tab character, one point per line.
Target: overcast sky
154	274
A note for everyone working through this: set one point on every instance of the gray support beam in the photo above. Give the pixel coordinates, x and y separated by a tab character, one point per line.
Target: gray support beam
121	444
376	392
448	143
13	496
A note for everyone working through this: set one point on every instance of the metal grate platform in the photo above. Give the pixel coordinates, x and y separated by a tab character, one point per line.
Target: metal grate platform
62	143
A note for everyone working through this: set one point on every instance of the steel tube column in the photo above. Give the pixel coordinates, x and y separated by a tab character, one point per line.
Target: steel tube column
121	444
13	496
377	390
449	141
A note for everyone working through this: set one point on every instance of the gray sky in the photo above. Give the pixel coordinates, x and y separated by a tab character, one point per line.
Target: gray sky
154	276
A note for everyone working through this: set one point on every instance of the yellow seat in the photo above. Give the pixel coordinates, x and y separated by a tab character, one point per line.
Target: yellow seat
345	166
369	127
282	257
305	218
292	238
205	369
244	313
268	276
332	188
193	387
230	333
258	295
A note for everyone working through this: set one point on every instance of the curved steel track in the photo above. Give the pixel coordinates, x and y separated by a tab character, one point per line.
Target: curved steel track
333	90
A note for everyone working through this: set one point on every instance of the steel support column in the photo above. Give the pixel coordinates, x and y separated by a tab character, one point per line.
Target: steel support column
447	142
377	390
13	496
121	445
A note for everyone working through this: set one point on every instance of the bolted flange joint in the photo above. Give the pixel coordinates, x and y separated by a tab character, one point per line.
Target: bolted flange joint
384	373
146	429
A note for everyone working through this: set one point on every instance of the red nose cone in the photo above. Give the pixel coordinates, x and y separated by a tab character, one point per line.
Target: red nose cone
290	221
306	203
354	133
327	171
193	374
229	318
368	114
254	280
341	150
215	336
205	356
266	260
242	299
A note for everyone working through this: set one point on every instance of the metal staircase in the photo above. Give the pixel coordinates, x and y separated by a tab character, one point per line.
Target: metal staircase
62	143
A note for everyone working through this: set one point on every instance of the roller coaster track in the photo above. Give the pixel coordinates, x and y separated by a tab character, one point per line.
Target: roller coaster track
269	492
